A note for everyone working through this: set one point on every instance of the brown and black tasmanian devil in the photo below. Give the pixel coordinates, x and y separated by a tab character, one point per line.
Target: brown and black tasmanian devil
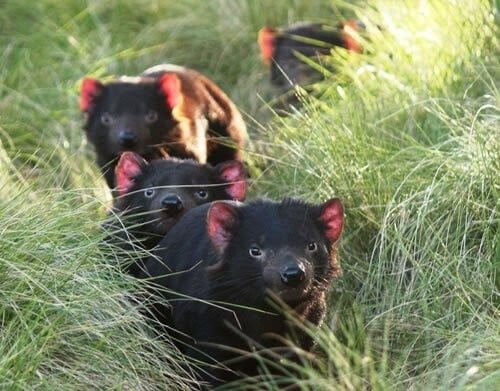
251	260
281	49
153	196
167	111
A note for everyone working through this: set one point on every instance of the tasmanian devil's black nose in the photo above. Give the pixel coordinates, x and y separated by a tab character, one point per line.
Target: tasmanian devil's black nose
293	274
127	137
172	204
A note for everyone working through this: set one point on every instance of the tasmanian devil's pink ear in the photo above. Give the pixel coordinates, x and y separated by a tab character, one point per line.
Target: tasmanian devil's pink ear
267	43
350	41
170	85
234	174
129	166
89	90
222	219
332	219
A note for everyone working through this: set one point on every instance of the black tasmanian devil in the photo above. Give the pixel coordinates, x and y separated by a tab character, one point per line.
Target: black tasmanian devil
154	196
168	110
281	49
247	258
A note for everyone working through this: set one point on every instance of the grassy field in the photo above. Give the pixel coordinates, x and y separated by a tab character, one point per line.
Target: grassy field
407	134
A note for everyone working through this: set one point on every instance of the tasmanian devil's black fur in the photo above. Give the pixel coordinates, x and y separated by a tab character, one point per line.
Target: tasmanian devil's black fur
245	255
154	196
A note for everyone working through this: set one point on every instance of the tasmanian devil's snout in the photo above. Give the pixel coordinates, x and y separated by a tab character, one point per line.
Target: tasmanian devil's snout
127	138
172	204
130	132
293	274
288	277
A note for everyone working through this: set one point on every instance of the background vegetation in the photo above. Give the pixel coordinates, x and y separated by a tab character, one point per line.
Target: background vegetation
407	134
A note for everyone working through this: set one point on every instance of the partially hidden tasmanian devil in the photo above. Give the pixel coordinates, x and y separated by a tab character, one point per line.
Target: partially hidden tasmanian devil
168	110
234	268
286	50
152	197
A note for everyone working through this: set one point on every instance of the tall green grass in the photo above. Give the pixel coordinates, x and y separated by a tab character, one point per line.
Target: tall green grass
407	134
67	318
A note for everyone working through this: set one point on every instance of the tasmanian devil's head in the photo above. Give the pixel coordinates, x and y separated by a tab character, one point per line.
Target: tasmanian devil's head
284	250
160	192
129	114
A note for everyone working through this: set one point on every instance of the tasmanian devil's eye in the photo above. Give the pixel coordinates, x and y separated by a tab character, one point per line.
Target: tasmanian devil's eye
151	116
312	246
106	119
202	193
255	252
149	192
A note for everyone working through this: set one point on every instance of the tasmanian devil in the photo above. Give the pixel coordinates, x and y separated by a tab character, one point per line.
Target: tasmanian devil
281	49
232	264
154	196
166	110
